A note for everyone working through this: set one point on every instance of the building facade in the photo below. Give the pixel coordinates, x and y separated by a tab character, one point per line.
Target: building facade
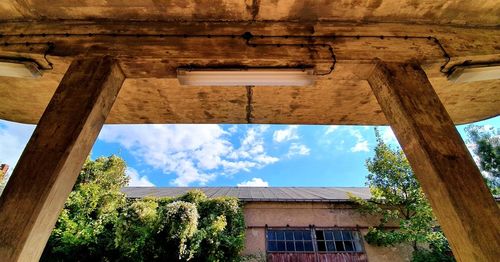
299	224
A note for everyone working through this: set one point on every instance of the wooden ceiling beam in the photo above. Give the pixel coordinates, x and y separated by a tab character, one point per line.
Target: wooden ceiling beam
353	41
160	57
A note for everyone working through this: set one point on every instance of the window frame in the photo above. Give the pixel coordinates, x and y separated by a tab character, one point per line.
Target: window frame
313	231
313	241
334	240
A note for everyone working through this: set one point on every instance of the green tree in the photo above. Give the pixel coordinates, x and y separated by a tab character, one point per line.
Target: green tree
486	143
190	227
85	228
3	181
135	228
398	199
222	230
98	223
177	226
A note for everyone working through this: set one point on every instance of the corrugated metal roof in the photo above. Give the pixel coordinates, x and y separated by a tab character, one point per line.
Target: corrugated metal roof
248	194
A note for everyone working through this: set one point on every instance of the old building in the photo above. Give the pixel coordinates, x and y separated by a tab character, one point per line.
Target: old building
419	66
298	223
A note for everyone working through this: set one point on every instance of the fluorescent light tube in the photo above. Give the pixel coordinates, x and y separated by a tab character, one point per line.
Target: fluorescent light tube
21	69
472	73
250	77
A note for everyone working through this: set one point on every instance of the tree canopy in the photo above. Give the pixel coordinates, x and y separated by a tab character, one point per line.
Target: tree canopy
3	181
98	223
399	201
485	142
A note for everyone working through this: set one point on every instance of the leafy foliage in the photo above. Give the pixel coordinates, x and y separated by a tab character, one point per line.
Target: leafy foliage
98	223
135	227
86	224
398	199
3	181
223	229
486	143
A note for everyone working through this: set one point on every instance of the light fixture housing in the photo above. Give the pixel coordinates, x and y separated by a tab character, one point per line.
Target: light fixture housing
472	73
22	69
246	77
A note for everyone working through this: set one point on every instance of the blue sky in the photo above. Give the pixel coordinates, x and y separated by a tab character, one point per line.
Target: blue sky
230	155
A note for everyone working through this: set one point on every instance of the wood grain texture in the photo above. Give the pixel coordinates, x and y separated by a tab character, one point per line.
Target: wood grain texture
150	65
50	164
444	167
424	11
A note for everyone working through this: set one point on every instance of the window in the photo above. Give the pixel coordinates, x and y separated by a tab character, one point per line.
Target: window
289	241
313	240
338	241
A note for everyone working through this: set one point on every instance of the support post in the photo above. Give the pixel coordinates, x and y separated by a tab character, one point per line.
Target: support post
461	201
50	164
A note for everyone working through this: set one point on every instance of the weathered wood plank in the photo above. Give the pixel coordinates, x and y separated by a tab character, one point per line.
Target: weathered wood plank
435	12
446	171
49	166
342	97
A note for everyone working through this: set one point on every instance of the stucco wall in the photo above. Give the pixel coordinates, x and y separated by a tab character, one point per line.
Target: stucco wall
258	214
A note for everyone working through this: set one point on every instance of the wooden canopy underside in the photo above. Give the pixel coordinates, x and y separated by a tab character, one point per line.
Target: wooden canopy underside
129	51
151	40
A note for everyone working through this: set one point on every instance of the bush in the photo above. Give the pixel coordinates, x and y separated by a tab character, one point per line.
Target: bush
99	224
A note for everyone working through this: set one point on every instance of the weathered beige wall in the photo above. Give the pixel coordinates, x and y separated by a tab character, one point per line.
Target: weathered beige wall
258	214
383	254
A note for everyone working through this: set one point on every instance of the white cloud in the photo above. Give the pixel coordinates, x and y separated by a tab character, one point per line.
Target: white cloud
298	149
233	129
254	182
287	134
137	180
13	140
360	147
388	135
361	143
331	129
336	136
194	153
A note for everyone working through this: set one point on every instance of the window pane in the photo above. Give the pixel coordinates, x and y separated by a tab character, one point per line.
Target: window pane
348	246
301	241
280	246
299	246
355	235
280	235
357	246
298	235
330	246
337	235
347	235
308	246
339	245
307	235
271	246
319	235
271	235
321	246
